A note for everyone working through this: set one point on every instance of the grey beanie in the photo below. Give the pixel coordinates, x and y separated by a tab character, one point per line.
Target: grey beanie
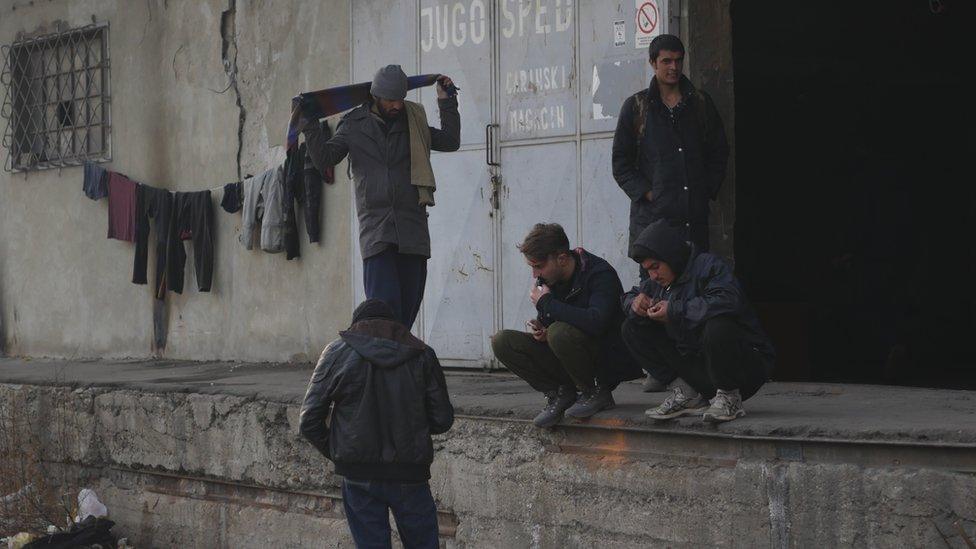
389	83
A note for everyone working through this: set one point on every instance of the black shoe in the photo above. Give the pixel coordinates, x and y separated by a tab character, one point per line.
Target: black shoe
590	402
556	404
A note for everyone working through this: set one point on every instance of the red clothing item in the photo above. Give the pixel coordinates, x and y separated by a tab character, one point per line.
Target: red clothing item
121	207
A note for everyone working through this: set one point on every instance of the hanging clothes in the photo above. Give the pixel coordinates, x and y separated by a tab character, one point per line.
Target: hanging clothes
192	220
156	204
96	181
264	203
294	187
311	196
233	199
121	207
303	184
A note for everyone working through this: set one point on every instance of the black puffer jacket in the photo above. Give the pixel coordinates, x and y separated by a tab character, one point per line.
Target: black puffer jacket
683	164
705	288
388	395
590	302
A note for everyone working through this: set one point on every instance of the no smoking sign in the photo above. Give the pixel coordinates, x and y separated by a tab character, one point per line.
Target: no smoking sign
648	22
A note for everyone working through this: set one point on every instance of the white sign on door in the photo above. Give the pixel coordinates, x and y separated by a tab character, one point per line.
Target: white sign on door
619	33
649	20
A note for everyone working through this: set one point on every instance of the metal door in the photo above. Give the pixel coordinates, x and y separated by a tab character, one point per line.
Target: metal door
565	70
454	38
542	82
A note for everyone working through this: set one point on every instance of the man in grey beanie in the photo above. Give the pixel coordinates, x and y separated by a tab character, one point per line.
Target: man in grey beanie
389	142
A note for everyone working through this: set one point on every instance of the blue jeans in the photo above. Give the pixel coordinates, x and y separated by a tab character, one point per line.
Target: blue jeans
398	279
368	504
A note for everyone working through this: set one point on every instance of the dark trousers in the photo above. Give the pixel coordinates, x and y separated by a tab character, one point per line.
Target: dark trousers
368	504
726	361
157	204
192	220
568	357
398	279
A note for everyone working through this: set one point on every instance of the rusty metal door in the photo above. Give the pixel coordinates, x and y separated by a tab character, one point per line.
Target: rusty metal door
542	82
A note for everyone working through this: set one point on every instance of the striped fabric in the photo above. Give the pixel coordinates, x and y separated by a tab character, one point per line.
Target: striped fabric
319	104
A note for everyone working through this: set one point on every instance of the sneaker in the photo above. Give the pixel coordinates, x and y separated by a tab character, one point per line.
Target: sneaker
726	406
556	404
652	385
591	401
678	404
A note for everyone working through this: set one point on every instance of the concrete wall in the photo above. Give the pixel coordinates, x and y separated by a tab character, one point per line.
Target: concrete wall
200	94
196	470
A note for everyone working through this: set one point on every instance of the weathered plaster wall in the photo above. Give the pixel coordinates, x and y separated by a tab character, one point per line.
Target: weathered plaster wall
200	93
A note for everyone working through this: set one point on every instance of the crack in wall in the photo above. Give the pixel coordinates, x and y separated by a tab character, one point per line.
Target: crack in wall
228	55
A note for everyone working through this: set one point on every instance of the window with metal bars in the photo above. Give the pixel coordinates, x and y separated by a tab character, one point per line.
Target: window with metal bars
56	99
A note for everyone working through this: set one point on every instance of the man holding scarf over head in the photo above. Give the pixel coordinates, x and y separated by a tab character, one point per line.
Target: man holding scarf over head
388	142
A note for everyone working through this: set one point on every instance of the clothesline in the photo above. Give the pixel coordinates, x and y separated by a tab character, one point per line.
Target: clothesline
266	201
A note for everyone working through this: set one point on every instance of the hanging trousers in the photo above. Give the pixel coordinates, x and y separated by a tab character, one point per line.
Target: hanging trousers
157	204
192	220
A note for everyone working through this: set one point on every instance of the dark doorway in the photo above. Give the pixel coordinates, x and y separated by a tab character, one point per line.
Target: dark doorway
854	194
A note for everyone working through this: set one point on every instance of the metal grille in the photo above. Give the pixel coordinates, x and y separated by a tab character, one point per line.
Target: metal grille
56	99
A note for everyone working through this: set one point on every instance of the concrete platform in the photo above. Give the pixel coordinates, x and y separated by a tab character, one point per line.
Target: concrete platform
208	455
803	411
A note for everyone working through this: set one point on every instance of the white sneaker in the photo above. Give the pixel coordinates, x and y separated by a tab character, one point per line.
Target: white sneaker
677	404
726	406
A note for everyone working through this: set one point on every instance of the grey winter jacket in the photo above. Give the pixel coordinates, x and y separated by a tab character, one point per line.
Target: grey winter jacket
387	203
264	202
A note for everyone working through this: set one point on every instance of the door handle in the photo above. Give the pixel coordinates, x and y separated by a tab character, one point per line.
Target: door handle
490	145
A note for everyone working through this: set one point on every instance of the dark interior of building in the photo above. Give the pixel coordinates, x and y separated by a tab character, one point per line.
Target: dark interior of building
854	187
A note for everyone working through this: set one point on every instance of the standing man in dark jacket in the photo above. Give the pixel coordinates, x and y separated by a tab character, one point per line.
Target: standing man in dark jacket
393	234
574	343
387	396
691	326
670	152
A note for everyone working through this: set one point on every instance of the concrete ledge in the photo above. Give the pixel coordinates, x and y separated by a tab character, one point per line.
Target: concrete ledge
782	411
207	455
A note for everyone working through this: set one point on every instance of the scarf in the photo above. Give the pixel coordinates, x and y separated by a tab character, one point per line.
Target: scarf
311	106
421	172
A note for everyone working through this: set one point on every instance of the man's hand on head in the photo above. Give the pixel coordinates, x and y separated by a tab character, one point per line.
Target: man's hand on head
444	83
537	292
658	311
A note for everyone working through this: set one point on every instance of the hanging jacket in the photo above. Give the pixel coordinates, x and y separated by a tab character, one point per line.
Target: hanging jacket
264	202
